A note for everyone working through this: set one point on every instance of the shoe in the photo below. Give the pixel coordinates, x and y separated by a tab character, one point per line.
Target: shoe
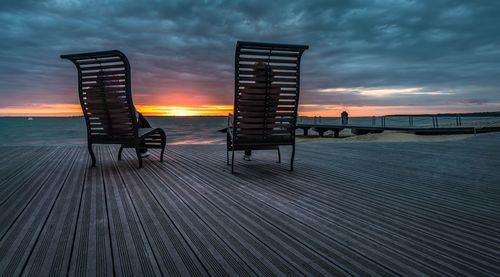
247	158
145	154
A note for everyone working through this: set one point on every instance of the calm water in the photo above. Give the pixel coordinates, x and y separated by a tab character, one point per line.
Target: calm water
71	130
180	130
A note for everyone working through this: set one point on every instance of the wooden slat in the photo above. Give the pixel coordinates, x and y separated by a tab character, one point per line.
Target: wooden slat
103	78
259	97
96	119
265	53
100	67
272	67
104	73
267	119
264	79
260	115
266	61
264	86
115	104
104	100
117	90
274	101
249	71
100	61
122	112
104	84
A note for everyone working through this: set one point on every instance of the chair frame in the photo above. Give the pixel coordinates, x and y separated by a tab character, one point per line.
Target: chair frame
232	141
150	138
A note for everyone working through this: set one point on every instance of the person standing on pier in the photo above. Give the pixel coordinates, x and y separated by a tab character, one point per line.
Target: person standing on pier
344	117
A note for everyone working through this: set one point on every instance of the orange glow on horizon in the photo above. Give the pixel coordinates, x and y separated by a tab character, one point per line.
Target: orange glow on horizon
42	110
201	110
223	110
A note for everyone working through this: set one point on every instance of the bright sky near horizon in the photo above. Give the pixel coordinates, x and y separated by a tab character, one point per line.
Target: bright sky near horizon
369	57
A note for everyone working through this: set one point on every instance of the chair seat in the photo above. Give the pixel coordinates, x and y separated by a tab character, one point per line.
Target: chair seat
152	137
261	143
145	132
264	139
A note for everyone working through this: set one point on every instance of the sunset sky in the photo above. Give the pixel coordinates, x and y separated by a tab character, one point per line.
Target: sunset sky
368	57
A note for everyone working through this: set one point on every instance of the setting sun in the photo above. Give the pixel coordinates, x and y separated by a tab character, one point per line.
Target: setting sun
202	110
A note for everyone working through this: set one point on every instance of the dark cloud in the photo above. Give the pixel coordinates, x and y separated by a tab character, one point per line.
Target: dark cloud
448	51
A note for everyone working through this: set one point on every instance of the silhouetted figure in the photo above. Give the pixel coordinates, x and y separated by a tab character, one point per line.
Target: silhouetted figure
141	120
344	117
262	70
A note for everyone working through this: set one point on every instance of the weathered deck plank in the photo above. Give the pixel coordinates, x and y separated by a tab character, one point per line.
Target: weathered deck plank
91	254
409	208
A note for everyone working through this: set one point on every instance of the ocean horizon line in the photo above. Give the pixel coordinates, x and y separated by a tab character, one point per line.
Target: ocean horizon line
484	113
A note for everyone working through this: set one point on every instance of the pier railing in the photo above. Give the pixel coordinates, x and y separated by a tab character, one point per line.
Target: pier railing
417	124
411	121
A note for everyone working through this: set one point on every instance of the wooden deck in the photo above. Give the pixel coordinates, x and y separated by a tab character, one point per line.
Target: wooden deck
348	209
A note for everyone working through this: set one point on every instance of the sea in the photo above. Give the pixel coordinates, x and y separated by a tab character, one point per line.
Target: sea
180	130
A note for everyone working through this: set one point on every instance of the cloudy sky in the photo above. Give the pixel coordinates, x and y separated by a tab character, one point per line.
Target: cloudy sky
369	57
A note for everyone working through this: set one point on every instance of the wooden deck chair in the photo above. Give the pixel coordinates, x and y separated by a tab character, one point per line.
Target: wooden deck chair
266	98
106	99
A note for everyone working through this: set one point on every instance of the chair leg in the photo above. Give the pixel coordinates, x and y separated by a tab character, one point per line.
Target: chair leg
232	162
228	138
293	156
162	151
120	153
91	152
139	156
279	155
163	144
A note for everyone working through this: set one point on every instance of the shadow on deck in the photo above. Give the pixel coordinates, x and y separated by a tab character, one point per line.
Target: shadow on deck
349	208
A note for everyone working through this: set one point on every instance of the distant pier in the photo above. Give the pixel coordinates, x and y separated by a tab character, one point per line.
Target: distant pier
321	129
417	124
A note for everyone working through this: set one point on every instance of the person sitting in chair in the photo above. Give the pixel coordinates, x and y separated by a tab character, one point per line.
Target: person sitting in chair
270	95
141	120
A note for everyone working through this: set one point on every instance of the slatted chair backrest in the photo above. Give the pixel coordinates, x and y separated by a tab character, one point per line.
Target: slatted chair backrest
267	88
105	96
